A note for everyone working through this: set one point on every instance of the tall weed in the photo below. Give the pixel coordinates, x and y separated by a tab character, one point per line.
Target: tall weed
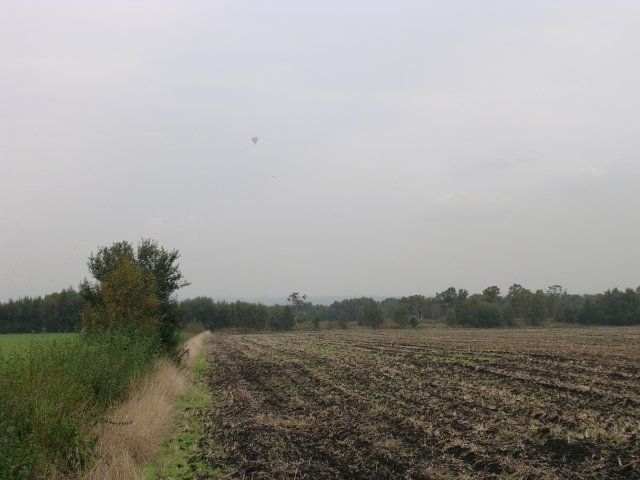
54	393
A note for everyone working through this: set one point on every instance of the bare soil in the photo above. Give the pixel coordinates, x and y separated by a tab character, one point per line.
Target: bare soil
426	404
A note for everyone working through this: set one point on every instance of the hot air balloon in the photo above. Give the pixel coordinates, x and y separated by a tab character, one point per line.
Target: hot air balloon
254	140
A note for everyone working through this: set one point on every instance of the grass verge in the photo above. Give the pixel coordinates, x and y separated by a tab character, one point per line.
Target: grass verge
137	426
176	459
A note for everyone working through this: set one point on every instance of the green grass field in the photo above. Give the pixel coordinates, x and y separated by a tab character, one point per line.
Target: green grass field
10	342
15	341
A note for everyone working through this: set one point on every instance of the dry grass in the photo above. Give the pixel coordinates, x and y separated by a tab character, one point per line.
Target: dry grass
140	424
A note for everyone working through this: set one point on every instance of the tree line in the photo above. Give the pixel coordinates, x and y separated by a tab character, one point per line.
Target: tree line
519	306
56	312
62	311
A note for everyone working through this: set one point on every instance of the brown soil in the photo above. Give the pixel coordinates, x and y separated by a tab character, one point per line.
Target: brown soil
426	404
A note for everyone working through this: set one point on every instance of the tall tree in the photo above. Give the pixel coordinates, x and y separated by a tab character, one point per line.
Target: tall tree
536	308
298	303
416	305
128	301
163	267
518	298
370	314
401	315
491	294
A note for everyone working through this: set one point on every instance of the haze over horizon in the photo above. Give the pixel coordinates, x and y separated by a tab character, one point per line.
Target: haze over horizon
402	147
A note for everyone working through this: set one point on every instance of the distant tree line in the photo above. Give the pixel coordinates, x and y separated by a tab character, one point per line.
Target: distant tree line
240	315
520	306
56	312
60	312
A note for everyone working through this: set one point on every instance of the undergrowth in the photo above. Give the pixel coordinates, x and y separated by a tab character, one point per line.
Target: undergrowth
54	393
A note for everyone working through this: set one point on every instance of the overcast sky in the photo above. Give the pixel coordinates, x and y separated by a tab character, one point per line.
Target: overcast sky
403	146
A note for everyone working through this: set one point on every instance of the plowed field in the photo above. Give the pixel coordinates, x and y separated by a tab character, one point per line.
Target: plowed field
426	404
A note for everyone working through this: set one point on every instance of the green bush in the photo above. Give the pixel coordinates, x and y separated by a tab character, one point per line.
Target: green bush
485	315
475	312
52	394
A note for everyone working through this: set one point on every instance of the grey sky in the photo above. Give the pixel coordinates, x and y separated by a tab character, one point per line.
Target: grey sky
403	146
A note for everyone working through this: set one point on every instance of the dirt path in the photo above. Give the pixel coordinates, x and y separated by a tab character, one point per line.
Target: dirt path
406	404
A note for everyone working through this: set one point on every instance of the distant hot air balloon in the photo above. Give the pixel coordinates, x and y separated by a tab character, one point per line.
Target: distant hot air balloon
254	140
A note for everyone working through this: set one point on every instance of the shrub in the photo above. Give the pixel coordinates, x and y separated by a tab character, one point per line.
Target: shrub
485	315
475	312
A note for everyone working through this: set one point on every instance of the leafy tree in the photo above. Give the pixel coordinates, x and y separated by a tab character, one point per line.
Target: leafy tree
416	305
200	310
620	308
370	314
475	312
491	294
555	296
349	307
451	317
254	316
485	315
508	316
518	298
536	309
592	312
316	321
451	297
568	313
401	315
388	305
157	262
282	318
129	301
298	304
